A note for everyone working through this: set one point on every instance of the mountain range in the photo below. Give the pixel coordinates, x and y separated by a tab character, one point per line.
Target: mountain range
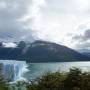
41	51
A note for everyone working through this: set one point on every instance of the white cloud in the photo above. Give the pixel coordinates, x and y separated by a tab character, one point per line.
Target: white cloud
52	20
2	5
9	44
60	18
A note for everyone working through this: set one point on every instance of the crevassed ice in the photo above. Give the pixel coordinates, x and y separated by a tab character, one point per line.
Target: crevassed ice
13	70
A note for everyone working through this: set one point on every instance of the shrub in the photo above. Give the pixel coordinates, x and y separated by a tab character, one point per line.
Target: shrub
75	79
3	82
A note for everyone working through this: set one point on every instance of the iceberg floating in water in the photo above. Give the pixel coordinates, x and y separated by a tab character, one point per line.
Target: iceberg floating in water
13	70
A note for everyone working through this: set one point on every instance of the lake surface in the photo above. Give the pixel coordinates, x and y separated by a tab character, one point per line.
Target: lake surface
38	69
17	70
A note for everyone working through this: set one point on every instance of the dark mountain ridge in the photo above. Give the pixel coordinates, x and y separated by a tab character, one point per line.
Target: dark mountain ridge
85	52
41	51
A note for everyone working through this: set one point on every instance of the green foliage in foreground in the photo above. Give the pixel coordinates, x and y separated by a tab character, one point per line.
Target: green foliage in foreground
75	79
3	83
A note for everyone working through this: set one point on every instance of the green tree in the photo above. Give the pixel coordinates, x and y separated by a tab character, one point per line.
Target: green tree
3	83
50	81
73	80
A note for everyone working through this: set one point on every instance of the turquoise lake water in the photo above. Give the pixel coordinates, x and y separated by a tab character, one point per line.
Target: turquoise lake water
17	70
38	69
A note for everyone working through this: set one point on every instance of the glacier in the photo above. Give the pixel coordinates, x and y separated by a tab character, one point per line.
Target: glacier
14	70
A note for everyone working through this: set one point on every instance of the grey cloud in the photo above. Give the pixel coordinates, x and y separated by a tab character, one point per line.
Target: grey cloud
83	46
84	37
87	34
83	40
10	27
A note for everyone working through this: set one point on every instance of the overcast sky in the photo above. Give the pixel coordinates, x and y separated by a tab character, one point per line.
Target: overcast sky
65	22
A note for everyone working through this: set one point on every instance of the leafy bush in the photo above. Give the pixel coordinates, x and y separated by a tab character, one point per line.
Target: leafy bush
75	79
3	82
